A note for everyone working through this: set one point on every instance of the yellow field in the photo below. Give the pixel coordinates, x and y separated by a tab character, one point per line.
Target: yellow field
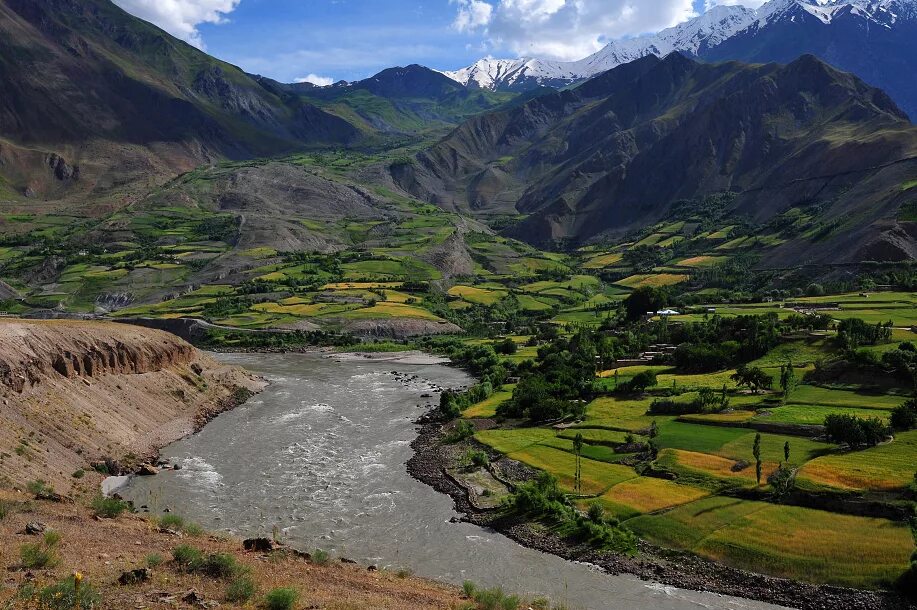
701	261
603	260
647	495
716	466
392	310
473	294
655	280
597	477
361	285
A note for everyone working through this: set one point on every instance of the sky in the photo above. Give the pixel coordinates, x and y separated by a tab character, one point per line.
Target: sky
323	41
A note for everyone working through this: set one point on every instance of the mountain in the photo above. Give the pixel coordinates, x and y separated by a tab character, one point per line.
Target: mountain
615	154
97	103
874	39
94	98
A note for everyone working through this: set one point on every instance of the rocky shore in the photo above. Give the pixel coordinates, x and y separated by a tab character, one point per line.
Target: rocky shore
432	459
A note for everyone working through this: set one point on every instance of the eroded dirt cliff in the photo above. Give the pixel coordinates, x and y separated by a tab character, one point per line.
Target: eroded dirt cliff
77	393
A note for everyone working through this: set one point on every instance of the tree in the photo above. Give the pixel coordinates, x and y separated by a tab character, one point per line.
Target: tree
751	376
756	451
449	406
786	452
642	300
782	480
855	432
653	433
639	382
507	347
904	416
578	449
787	380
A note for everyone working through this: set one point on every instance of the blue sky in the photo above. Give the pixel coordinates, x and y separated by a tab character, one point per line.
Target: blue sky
325	40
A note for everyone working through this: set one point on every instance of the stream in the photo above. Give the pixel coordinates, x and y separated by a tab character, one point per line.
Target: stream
320	457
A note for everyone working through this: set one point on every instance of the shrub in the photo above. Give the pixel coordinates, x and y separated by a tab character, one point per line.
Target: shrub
782	480
220	565
177	523
477	459
639	383
41	490
904	416
40	554
65	595
108	508
240	590
281	599
460	432
854	431
494	599
79	474
596	513
320	557
469	588
188	557
153	560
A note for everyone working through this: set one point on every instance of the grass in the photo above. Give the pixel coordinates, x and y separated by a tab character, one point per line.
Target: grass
480	296
656	280
108	508
603	260
788	541
596	478
885	468
647	495
488	406
515	439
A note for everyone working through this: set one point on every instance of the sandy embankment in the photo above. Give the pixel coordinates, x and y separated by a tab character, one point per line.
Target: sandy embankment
74	393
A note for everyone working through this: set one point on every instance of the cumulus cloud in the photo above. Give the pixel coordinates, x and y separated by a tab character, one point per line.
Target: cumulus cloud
181	17
566	29
315	79
472	15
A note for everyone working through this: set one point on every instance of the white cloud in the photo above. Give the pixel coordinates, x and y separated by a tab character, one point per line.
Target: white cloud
568	29
315	79
709	4
181	17
472	14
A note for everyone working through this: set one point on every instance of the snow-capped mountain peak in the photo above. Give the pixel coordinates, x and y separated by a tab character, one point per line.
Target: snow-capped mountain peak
694	37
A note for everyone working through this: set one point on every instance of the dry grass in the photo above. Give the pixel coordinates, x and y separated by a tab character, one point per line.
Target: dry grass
647	495
655	280
102	550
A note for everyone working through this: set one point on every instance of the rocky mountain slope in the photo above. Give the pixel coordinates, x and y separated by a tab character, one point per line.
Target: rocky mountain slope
874	39
615	153
72	393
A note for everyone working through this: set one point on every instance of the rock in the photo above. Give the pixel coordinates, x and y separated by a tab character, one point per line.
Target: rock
192	597
345	560
197	368
33	528
176	467
133	577
372	568
146	470
259	545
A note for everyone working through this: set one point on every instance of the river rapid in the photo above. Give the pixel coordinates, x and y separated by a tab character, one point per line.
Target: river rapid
320	457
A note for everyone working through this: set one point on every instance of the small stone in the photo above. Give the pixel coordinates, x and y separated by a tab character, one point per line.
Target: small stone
146	470
259	545
33	528
134	577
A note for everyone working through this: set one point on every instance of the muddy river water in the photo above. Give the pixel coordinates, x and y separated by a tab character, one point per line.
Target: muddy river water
320	457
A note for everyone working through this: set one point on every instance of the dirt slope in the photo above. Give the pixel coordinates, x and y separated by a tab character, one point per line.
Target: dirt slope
72	393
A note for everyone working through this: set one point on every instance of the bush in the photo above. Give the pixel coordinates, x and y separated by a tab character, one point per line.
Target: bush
240	590
596	513
320	557
188	557
79	474
281	599
854	431
153	560
639	383
41	554
904	416
42	490
177	523
65	595
460	432
477	459
108	508
220	565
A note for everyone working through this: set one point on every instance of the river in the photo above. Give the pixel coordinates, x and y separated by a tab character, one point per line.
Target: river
320	457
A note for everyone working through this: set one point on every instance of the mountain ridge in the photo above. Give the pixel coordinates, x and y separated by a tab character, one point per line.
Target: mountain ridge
838	31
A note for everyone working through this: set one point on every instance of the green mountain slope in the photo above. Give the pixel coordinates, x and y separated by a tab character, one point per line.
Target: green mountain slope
614	155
